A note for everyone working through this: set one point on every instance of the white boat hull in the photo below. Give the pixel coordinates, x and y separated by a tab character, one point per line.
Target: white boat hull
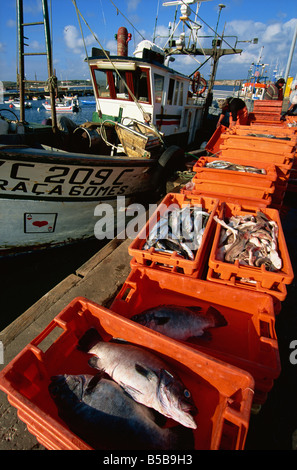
60	109
47	201
30	225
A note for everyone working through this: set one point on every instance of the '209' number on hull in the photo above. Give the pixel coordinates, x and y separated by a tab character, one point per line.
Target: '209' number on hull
79	176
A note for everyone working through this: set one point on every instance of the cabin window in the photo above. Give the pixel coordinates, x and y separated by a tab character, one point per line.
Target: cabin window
158	86
140	84
170	91
120	87
101	81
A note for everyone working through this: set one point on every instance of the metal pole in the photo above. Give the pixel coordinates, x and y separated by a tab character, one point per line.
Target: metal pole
21	75
215	57
52	79
291	54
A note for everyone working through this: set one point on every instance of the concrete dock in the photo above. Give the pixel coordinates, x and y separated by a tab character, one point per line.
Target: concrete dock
271	428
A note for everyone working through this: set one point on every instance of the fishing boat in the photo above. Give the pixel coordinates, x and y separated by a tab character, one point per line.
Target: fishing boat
57	179
66	105
257	81
52	182
17	104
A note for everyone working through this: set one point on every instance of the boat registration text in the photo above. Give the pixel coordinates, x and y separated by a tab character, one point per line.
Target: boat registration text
45	180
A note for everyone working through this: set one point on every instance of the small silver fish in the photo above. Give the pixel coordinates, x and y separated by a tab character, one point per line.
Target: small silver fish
99	411
180	322
143	375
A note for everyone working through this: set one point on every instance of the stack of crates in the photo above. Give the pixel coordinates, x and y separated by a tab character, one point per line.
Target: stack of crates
235	368
159	279
222	393
247	341
266	111
229	185
263	145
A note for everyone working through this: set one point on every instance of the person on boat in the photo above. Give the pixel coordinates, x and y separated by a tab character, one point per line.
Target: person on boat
274	91
237	109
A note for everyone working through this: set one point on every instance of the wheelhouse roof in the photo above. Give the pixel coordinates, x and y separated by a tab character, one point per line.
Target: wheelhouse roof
114	58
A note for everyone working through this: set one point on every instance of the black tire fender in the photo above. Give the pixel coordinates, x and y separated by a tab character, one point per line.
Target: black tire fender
171	160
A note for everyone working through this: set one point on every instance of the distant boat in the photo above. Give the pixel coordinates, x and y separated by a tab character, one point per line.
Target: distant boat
70	97
256	83
17	104
71	106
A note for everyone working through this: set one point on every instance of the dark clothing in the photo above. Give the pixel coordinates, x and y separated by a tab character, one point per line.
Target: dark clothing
293	111
234	105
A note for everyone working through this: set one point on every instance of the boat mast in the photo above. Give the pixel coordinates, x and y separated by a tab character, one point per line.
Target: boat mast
52	79
214	53
21	73
21	76
291	54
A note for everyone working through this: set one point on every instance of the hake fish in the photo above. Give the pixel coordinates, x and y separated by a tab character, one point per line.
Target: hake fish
250	239
143	375
180	322
99	411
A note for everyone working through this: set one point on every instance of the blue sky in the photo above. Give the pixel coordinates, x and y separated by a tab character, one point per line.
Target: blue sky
273	23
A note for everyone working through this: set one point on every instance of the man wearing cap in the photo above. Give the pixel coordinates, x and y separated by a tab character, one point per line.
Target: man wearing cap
274	91
237	109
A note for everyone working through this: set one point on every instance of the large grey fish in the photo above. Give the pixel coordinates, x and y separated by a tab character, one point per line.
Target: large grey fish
99	411
147	378
180	322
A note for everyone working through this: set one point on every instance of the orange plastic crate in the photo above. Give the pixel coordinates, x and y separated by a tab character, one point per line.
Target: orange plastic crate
270	105
278	291
249	340
267	279
283	131
263	116
173	261
263	179
265	122
274	158
223	393
261	144
240	198
291	120
214	142
275	132
232	188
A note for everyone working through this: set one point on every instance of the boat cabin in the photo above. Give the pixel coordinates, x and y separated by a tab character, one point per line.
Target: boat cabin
143	88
